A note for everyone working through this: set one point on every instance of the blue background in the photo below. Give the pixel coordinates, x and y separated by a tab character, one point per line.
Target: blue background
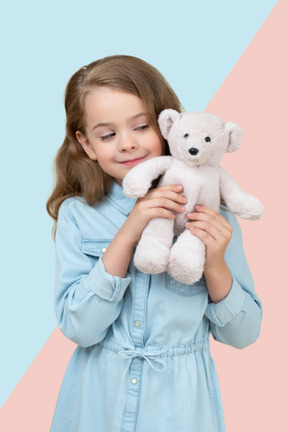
194	44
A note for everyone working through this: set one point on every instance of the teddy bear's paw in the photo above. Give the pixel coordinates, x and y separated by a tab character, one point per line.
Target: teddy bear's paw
135	187
151	256
186	271
252	210
135	192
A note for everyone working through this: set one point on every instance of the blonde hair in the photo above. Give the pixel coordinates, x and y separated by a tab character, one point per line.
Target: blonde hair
76	173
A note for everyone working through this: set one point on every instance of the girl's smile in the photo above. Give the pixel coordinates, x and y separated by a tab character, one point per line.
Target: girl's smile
132	162
118	132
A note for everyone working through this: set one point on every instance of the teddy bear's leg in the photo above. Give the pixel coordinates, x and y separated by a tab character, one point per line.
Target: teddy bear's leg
187	258
153	250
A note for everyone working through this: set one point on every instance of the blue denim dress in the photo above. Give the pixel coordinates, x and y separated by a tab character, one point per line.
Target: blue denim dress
142	363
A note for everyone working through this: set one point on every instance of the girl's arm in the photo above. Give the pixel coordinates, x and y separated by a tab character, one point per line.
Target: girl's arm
87	298
234	311
90	298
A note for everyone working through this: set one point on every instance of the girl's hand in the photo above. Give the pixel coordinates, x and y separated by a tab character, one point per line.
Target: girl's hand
213	229
161	202
215	232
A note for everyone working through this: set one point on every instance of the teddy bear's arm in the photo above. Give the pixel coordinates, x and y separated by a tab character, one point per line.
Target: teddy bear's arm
239	202
139	179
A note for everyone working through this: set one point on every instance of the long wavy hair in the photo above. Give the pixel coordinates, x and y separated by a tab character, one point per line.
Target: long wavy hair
76	173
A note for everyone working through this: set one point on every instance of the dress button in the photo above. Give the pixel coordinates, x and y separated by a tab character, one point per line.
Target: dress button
137	323
104	250
134	381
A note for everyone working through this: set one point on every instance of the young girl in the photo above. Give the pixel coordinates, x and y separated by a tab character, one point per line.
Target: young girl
143	362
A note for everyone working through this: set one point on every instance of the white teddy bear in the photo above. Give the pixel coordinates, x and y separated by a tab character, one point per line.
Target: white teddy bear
197	142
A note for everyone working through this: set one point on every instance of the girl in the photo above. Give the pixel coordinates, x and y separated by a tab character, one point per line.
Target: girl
143	361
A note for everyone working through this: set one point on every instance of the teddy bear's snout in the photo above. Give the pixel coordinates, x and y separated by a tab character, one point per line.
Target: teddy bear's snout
193	151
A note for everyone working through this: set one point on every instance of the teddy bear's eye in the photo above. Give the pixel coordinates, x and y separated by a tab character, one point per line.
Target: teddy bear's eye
186	135
207	139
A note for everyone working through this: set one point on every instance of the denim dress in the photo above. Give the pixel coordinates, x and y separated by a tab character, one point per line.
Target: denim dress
143	362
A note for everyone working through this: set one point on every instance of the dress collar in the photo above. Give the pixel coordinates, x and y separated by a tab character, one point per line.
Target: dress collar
117	198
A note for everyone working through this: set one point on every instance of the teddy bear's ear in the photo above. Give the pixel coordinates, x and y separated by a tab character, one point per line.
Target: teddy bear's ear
166	120
235	136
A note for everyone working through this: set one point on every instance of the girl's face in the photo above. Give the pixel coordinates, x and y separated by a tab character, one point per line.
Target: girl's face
118	134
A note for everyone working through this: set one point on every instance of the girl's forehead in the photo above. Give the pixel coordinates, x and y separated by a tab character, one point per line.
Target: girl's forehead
104	105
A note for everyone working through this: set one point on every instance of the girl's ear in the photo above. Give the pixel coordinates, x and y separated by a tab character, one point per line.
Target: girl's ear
166	120
86	145
235	136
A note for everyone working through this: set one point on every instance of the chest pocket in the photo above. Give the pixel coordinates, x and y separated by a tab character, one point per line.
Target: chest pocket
183	290
95	248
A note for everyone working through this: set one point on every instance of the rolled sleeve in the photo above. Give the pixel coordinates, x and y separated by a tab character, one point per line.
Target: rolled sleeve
106	286
224	311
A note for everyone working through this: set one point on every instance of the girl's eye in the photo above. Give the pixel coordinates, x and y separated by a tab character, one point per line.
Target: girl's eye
142	127
105	137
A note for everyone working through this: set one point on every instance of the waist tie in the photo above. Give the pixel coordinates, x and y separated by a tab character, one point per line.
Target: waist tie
146	355
152	355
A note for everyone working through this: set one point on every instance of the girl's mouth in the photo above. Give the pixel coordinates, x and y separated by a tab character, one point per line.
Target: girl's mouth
132	162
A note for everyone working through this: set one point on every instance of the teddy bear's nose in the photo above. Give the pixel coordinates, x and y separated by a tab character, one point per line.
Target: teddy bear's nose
193	151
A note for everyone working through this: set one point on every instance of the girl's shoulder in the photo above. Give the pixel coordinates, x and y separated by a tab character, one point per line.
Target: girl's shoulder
90	220
73	202
72	207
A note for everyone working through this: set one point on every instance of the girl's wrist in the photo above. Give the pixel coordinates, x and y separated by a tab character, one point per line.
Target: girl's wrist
214	266
118	255
126	238
127	235
218	280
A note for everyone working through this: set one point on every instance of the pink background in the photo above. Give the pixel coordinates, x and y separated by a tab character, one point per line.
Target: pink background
253	381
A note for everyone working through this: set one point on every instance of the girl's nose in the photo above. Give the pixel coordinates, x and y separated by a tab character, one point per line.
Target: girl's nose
127	143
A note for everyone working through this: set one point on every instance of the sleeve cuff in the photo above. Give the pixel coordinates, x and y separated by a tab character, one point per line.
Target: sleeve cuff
106	286
224	311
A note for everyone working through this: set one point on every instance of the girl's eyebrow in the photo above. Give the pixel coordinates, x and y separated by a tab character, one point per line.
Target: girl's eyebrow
130	118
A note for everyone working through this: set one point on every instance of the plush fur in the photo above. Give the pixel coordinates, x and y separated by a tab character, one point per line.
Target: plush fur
197	143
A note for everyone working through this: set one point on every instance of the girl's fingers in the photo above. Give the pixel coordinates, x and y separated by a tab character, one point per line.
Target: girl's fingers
204	213
208	228
171	196
206	238
216	229
159	212
172	192
207	224
164	203
216	217
165	197
174	187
